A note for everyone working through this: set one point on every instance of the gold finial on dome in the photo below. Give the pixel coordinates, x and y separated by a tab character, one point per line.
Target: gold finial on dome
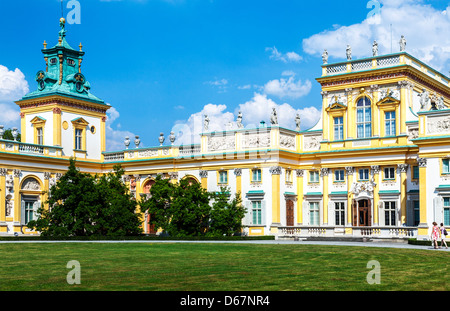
62	20
81	47
45	44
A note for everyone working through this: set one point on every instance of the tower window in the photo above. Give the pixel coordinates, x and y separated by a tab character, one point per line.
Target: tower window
70	62
78	139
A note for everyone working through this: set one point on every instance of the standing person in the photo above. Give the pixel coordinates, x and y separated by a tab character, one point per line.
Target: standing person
435	233
443	234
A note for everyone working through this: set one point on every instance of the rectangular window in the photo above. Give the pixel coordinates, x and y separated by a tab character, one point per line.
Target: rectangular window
447	211
389	173
415	172
364	174
40	136
314	177
339	213
256	175
29	211
389	213
288	176
390	123
78	139
339	128
257	212
314	213
445	166
223	177
339	175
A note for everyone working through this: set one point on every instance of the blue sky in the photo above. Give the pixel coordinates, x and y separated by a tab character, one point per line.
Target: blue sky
162	64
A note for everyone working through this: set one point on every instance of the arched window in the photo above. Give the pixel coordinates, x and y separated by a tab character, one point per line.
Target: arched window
364	118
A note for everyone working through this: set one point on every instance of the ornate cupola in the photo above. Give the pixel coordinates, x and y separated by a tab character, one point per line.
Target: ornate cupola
63	96
62	74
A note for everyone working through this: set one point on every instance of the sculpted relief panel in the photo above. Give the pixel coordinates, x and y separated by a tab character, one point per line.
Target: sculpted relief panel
217	143
438	125
256	140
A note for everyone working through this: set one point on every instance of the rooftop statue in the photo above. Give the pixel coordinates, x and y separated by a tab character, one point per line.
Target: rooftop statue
375	48
325	57
402	43
273	118
349	52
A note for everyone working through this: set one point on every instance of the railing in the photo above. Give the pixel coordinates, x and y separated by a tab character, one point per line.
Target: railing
190	150
383	62
332	231
112	157
28	148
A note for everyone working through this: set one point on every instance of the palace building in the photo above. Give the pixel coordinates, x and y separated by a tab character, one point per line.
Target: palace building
376	164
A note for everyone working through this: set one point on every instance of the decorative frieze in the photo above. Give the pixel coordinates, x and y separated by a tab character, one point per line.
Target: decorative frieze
256	140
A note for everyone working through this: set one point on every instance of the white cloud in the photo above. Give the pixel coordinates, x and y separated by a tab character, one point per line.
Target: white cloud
426	29
287	87
114	136
258	109
285	58
13	87
188	132
221	84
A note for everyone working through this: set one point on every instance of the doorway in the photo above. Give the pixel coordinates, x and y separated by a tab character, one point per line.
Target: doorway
364	213
289	213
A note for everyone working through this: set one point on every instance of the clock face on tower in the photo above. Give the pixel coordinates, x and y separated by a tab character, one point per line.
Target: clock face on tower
79	82
40	80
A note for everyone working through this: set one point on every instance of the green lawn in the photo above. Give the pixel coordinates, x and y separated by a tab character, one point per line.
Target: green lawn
224	267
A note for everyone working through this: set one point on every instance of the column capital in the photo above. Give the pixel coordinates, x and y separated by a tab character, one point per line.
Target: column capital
403	168
300	173
422	162
203	174
238	171
275	170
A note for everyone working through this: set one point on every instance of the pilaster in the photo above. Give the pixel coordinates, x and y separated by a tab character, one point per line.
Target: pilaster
349	172
375	171
300	197
324	172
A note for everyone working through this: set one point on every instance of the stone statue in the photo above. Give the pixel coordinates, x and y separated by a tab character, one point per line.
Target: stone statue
424	99
137	141
325	57
239	120
9	206
297	122
206	123
440	103
273	118
127	142
402	43
172	137
161	139
375	48
349	52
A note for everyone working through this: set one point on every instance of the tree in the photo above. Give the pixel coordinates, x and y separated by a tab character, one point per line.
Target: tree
84	205
117	214
8	135
72	206
187	209
226	214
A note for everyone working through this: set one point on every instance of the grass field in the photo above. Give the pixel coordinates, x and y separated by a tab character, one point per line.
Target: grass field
218	267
